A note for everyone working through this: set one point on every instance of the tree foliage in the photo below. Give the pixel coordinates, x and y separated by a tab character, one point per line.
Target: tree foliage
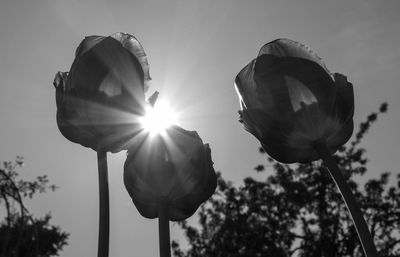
298	211
21	234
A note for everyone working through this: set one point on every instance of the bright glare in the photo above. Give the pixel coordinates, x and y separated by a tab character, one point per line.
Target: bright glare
158	118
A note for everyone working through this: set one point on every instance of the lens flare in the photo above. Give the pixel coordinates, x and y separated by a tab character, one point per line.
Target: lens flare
158	118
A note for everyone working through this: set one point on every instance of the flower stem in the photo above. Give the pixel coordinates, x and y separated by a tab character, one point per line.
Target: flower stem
163	230
351	203
104	205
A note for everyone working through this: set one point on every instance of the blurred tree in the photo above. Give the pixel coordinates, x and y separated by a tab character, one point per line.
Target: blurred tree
297	211
22	235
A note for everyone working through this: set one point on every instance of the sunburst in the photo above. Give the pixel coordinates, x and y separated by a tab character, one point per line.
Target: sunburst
158	118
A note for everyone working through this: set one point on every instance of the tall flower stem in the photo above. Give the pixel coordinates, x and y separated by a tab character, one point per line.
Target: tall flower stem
351	203
163	230
104	205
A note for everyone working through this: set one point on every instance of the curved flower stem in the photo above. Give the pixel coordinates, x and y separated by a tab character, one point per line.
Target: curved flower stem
163	230
351	203
104	205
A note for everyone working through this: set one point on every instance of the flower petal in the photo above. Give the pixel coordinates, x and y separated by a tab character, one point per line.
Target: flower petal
345	95
281	77
133	45
284	47
246	89
87	43
340	126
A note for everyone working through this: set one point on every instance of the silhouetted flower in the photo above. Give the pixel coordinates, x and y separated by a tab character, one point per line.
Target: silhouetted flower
101	97
290	101
175	169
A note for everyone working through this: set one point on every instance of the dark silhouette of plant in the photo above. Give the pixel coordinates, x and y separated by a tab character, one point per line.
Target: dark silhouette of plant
298	211
22	235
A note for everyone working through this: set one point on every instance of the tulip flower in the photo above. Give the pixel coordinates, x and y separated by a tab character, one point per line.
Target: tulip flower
290	101
300	112
176	169
169	177
99	102
103	94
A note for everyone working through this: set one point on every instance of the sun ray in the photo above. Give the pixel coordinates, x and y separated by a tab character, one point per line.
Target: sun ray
158	118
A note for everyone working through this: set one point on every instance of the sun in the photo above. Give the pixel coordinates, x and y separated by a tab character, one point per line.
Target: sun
158	118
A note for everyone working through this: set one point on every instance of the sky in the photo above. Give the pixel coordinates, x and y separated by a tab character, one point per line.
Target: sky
195	49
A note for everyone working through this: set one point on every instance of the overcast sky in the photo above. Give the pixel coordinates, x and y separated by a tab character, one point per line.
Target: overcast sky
195	49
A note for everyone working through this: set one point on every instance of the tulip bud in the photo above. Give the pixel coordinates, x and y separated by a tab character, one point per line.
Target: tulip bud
100	99
290	102
175	170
